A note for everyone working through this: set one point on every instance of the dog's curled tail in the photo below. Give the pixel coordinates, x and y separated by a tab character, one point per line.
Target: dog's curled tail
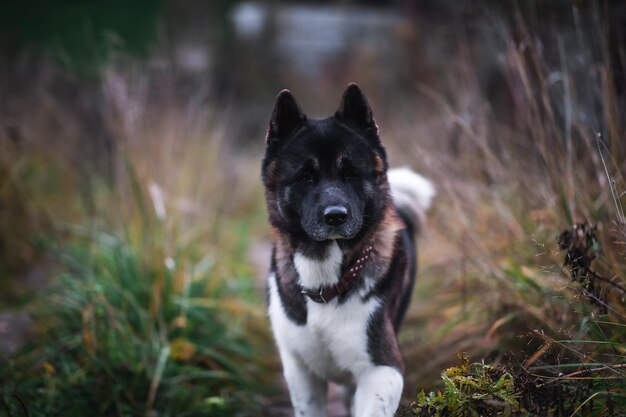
411	194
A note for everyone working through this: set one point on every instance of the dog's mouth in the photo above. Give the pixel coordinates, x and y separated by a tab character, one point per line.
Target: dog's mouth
336	236
323	232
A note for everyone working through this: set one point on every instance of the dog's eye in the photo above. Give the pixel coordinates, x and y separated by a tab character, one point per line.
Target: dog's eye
306	177
349	172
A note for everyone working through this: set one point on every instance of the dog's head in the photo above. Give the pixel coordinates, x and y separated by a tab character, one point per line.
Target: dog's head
325	178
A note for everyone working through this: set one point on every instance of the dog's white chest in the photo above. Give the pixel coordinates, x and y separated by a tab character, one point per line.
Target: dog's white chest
333	343
340	332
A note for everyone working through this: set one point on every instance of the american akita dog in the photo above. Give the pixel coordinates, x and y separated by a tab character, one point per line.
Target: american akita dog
344	257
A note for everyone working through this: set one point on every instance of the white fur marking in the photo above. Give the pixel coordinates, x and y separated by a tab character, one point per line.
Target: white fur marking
333	345
368	285
319	273
378	392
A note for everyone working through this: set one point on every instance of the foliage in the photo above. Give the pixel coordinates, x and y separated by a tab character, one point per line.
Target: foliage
469	390
503	293
138	319
572	374
487	390
117	334
82	35
594	359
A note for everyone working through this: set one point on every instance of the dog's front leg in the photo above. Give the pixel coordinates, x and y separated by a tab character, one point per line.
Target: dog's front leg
307	391
378	392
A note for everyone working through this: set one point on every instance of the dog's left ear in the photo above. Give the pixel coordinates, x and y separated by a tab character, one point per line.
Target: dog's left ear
354	109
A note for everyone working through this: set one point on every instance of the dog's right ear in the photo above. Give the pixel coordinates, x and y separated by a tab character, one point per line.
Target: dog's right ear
354	109
287	117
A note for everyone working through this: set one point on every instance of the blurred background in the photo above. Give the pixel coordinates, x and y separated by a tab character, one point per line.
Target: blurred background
133	234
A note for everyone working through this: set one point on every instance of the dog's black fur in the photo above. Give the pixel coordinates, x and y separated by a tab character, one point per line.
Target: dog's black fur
312	170
311	164
323	162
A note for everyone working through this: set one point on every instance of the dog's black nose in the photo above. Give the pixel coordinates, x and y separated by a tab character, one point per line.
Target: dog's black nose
335	215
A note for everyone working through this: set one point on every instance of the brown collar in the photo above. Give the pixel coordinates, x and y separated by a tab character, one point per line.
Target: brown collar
343	286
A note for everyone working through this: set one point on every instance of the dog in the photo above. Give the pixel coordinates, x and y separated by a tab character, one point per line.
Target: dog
344	257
